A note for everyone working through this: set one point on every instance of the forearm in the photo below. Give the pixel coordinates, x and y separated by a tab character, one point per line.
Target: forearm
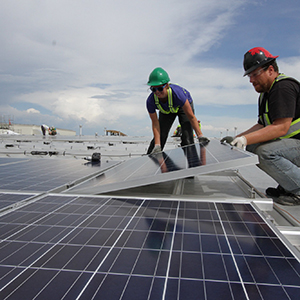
252	129
195	125
156	134
192	118
155	128
264	134
260	134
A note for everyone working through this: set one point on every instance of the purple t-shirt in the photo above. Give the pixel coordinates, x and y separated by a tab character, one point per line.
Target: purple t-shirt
179	95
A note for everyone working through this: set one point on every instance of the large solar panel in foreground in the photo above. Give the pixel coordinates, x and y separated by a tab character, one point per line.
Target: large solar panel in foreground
72	247
169	165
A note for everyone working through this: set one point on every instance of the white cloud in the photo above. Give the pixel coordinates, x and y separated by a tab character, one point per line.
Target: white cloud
290	66
32	111
222	126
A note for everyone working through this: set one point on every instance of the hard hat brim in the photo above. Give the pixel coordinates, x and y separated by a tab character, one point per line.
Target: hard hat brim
261	64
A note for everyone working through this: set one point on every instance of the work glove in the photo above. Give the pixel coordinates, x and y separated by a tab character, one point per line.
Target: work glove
227	139
203	140
239	142
156	149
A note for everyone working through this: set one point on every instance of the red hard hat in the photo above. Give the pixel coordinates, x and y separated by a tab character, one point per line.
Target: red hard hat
256	57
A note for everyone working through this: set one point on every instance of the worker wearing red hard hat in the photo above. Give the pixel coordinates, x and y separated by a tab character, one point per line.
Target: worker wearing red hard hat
275	138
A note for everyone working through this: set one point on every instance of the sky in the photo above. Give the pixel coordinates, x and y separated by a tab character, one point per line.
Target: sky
72	63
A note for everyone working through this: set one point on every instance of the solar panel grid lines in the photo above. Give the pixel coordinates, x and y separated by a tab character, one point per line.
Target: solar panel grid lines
242	226
91	278
142	249
234	261
187	218
188	221
273	248
170	256
32	263
138	256
110	265
10	161
11	200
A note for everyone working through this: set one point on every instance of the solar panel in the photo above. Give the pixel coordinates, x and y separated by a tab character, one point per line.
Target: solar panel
169	165
9	200
41	175
80	247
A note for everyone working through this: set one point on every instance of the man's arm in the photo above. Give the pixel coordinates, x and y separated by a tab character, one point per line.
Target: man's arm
252	129
259	134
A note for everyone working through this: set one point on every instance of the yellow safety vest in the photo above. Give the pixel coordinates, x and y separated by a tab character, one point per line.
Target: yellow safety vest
295	125
170	103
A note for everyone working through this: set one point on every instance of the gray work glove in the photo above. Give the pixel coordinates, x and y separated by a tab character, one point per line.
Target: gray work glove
156	149
227	139
203	140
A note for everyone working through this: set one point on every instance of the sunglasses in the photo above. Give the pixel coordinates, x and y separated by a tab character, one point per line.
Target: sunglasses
160	88
257	73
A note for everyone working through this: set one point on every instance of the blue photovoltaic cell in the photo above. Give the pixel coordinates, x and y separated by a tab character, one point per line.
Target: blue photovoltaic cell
71	247
7	200
169	165
39	175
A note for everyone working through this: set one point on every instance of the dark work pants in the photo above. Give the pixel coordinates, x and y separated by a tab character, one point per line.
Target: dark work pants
165	123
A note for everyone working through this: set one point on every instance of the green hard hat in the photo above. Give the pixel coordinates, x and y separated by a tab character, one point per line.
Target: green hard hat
158	77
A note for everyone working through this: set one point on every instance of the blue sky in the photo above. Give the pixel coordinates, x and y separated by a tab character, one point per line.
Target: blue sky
70	63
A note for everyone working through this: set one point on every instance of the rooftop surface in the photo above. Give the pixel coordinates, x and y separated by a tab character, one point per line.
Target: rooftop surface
124	228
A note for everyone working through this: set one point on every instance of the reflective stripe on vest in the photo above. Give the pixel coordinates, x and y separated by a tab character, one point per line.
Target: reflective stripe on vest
295	125
170	103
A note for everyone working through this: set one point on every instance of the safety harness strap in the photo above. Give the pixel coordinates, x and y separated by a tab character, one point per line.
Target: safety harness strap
170	104
295	125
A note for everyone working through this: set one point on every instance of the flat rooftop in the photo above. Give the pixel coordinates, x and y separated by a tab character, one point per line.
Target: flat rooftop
193	223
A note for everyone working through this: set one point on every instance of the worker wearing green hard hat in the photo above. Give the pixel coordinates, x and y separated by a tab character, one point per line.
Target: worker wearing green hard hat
172	101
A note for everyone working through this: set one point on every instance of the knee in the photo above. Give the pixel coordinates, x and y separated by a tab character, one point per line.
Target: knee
264	152
266	157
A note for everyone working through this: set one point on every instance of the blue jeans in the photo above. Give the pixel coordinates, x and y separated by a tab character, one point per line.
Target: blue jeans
281	160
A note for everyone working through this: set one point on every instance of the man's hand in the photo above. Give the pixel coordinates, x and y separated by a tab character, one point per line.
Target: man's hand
227	139
203	140
156	149
239	142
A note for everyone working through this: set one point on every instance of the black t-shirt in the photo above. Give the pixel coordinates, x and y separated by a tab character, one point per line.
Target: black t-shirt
283	101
